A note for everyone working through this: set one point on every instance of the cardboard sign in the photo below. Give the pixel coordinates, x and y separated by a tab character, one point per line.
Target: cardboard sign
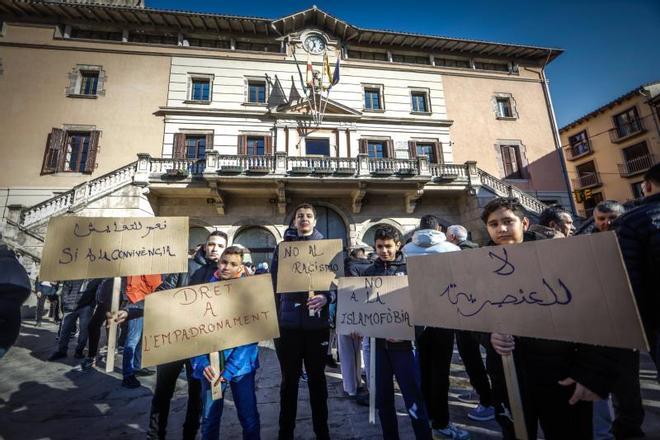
99	247
379	307
569	289
309	265
193	320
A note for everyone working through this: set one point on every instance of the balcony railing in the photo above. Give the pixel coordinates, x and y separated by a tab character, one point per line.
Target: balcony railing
578	150
587	181
637	165
627	130
322	165
393	166
177	167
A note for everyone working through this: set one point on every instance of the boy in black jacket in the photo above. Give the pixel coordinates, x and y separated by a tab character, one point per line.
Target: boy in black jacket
558	380
395	357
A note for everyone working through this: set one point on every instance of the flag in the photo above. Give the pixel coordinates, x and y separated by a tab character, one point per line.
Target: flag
335	75
326	67
310	72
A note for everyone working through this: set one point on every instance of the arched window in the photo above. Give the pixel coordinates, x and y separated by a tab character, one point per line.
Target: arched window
259	241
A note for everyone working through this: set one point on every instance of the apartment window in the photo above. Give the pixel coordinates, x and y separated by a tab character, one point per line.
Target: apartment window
254	145
95	35
208	42
511	161
141	37
317	146
504	108
497	67
587	174
430	149
192	146
258	47
200	89
590	203
373	98
637	190
360	55
410	59
377	149
86	81
627	122
420	101
195	147
70	151
579	143
452	62
256	91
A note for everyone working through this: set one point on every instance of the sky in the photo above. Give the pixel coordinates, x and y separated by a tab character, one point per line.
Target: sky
611	46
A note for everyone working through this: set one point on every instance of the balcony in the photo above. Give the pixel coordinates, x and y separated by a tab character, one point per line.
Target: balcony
589	180
578	150
636	166
625	131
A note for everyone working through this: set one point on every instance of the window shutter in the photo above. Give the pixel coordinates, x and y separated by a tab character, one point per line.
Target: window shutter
179	146
412	149
242	145
437	152
268	145
364	148
90	165
53	152
209	142
390	148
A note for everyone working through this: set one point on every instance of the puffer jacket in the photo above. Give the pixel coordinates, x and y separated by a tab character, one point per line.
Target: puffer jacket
638	231
428	241
292	307
467	244
543	362
15	288
387	268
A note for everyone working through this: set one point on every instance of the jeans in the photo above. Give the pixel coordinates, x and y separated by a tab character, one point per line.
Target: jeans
436	346
602	420
69	319
245	399
133	347
469	348
295	348
402	364
166	378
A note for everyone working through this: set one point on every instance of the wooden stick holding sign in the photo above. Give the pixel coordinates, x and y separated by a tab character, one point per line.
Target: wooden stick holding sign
112	324
372	381
515	402
217	363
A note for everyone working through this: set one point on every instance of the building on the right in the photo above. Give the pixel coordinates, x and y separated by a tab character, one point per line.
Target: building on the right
608	150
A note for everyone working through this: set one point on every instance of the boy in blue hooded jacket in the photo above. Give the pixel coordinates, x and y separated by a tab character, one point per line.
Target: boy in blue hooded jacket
240	367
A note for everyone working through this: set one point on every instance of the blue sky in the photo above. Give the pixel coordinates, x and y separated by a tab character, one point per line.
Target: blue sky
611	46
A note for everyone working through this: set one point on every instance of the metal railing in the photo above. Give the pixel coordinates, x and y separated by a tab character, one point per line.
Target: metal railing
636	165
582	148
587	180
626	130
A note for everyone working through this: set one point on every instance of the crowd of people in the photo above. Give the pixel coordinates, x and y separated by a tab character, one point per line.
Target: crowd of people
565	387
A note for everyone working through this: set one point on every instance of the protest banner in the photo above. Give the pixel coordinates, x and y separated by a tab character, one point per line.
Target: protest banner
377	306
99	247
571	289
309	265
201	319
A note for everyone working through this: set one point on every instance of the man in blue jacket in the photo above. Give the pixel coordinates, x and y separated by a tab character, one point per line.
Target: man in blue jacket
303	338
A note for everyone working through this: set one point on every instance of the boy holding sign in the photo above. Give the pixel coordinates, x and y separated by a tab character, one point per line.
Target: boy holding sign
558	380
240	366
394	357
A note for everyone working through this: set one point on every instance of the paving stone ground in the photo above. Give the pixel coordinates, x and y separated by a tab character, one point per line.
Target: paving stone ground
56	400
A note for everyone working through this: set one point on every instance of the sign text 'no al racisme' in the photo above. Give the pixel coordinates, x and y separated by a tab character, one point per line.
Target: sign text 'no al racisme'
100	247
193	320
377	306
309	265
570	289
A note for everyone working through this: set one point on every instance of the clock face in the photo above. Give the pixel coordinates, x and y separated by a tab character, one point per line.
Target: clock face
314	44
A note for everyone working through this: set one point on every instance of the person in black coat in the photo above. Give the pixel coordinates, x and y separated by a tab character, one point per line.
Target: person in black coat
15	288
303	338
558	380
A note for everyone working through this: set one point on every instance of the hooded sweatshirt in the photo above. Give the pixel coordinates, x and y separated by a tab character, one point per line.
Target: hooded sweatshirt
428	241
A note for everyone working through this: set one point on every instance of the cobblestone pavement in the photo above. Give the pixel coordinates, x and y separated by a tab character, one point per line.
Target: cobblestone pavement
56	400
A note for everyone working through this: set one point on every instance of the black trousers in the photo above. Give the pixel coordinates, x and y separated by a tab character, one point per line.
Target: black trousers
544	404
626	396
308	347
94	329
435	347
166	377
469	348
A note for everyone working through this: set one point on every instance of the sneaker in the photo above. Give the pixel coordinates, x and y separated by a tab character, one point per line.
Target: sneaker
88	364
470	397
453	432
481	413
79	354
57	355
144	372
130	382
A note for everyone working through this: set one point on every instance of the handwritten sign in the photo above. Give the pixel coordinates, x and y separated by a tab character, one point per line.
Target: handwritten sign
99	247
193	320
569	289
379	307
309	265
